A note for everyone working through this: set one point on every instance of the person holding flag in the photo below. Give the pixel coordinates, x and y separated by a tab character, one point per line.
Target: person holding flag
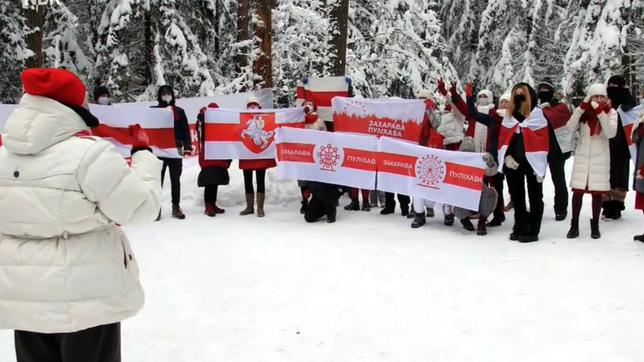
523	149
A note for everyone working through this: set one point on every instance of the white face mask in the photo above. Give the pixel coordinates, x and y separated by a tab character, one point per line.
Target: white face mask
483	101
167	98
103	100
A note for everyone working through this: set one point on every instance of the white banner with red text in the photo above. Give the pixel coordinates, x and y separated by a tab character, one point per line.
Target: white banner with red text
628	121
248	134
335	158
396	118
449	177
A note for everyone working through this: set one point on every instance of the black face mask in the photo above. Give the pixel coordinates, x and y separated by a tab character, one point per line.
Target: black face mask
545	96
518	99
616	95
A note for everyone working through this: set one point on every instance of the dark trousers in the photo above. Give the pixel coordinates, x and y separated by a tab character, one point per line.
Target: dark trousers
323	202
261	181
210	193
497	183
525	223
98	344
176	167
558	175
390	201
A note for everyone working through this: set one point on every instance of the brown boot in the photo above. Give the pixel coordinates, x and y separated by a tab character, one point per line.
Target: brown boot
250	203
481	228
260	204
177	213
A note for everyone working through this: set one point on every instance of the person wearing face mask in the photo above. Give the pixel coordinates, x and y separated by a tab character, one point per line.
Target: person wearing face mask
622	100
69	276
102	95
492	120
523	147
166	99
259	167
596	122
561	143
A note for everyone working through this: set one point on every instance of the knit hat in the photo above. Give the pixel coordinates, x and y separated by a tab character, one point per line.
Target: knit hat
99	91
488	93
597	89
424	94
58	84
505	97
253	100
618	80
546	83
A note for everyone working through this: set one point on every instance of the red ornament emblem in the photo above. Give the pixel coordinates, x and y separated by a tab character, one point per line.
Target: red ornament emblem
258	132
328	157
430	171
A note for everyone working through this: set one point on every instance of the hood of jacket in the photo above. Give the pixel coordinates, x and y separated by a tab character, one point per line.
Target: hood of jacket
163	103
38	123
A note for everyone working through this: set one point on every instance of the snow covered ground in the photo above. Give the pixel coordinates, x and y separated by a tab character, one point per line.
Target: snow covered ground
369	288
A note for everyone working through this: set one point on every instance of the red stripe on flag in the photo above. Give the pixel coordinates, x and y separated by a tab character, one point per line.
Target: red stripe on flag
628	129
359	159
159	137
464	176
536	141
223	132
377	126
397	164
323	99
300	92
295	152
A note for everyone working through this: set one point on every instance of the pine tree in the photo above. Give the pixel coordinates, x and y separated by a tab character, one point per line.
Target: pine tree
13	50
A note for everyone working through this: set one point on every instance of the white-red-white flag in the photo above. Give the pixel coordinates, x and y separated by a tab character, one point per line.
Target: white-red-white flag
321	91
246	134
628	121
335	158
157	123
5	112
449	177
396	118
536	139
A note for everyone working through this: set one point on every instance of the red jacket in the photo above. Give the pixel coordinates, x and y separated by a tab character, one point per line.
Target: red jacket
429	137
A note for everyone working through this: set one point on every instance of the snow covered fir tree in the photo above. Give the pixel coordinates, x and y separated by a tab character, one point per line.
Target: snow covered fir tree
321	180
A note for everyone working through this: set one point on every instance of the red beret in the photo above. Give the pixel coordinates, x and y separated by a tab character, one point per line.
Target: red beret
58	84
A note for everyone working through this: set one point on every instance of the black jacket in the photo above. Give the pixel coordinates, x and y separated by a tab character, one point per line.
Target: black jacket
181	126
493	126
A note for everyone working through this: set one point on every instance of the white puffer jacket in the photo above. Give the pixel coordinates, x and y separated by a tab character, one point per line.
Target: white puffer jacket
591	167
452	127
65	265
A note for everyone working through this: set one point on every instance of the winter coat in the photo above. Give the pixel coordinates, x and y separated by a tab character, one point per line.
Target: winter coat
452	127
638	183
591	167
181	127
65	264
213	172
491	120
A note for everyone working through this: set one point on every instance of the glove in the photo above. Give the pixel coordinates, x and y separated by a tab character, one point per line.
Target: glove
489	160
441	87
453	89
585	106
187	152
539	179
140	140
468	90
511	163
608	106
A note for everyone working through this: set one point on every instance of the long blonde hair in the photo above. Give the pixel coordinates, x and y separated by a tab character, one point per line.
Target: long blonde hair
526	106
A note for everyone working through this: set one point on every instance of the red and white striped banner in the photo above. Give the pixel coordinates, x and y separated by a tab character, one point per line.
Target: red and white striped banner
335	158
396	118
628	121
450	177
536	139
247	134
5	112
321	91
157	123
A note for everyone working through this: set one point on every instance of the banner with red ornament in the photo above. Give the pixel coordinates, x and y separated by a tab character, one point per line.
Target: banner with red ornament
247	134
396	118
450	177
335	158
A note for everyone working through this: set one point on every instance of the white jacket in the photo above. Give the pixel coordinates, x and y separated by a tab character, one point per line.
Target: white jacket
65	265
452	127
591	167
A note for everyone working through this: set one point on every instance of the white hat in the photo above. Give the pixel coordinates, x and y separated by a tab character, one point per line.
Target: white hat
253	100
488	93
505	97
425	94
596	89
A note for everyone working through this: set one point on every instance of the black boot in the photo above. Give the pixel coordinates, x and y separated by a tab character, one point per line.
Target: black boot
388	209
496	221
404	210
467	224
594	229
412	213
639	238
303	208
481	229
366	206
561	217
353	206
449	220
430	212
330	216
419	220
574	229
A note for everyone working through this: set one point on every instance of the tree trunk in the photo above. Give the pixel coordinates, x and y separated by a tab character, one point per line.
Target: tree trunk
34	19
243	20
263	66
339	18
149	47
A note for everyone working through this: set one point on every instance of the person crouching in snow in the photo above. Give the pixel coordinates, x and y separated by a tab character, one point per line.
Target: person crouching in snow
324	198
311	121
69	274
213	172
596	122
260	167
638	182
489	196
